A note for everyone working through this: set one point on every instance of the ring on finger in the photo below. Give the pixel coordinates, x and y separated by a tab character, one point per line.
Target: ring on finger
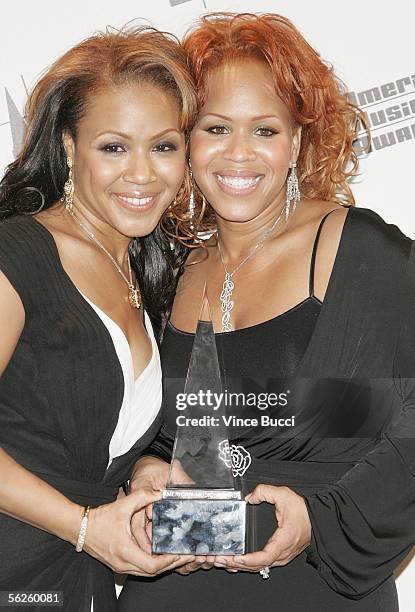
264	572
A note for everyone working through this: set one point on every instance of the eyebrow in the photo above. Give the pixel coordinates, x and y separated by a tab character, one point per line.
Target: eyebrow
127	137
257	118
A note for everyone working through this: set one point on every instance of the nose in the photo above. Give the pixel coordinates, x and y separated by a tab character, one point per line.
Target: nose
139	169
239	148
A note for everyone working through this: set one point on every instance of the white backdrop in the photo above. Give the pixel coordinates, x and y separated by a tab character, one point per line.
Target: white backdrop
368	42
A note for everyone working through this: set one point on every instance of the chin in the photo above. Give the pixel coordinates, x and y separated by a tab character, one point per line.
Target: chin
237	214
139	231
138	225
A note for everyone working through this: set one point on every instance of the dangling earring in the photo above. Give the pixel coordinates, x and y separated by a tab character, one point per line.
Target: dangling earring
68	188
293	191
191	208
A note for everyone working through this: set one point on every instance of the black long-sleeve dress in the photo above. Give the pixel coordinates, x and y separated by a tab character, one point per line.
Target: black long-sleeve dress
60	399
350	363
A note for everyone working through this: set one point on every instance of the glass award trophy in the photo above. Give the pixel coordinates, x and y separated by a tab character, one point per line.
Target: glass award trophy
202	512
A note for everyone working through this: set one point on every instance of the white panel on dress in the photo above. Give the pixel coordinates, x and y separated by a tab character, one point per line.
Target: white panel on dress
142	396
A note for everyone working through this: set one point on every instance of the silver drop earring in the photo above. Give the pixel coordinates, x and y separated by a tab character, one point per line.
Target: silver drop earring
191	209
293	194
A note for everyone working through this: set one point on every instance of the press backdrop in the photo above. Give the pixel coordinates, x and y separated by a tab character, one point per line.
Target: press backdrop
370	44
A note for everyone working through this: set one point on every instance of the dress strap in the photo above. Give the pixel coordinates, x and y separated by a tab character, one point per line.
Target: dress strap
314	253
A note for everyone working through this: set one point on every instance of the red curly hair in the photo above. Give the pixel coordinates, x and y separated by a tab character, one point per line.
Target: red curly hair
315	97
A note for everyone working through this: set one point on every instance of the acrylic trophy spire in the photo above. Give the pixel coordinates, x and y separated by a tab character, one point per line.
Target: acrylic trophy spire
202	511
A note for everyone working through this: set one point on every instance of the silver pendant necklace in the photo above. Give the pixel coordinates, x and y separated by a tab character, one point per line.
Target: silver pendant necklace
134	294
228	284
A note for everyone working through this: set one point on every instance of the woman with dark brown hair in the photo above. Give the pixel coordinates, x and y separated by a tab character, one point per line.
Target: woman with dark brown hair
86	272
311	295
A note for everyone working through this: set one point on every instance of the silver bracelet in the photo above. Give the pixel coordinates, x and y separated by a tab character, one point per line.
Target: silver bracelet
82	530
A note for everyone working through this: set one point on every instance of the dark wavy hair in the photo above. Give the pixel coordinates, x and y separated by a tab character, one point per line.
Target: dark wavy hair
56	105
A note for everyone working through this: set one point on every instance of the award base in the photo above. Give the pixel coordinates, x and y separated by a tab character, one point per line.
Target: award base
199	522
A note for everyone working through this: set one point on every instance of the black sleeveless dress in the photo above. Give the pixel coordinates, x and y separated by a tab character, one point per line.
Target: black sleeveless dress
345	361
58	410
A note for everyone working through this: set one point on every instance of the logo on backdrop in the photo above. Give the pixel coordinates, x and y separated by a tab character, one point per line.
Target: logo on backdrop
17	124
390	111
177	2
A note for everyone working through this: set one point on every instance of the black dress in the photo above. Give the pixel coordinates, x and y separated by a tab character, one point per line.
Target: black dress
58	410
350	361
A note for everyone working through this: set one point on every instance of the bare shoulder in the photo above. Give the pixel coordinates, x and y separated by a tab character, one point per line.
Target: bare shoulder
329	215
316	210
55	221
72	246
332	216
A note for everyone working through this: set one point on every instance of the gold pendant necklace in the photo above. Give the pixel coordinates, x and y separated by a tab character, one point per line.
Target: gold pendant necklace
134	293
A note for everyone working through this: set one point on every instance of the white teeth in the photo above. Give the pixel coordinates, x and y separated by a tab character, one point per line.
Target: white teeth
136	201
239	182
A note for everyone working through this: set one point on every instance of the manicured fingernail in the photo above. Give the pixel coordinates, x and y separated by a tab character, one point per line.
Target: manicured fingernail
234	571
219	564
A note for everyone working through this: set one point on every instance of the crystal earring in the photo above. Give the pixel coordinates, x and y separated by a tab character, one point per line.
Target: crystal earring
191	208
68	188
293	192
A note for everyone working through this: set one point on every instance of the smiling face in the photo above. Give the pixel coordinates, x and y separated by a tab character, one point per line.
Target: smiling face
128	158
243	142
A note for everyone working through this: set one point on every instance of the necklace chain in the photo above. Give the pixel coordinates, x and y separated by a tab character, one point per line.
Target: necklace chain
253	251
228	284
134	294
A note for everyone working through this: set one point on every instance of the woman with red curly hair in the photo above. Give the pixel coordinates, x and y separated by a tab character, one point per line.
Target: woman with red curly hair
310	293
